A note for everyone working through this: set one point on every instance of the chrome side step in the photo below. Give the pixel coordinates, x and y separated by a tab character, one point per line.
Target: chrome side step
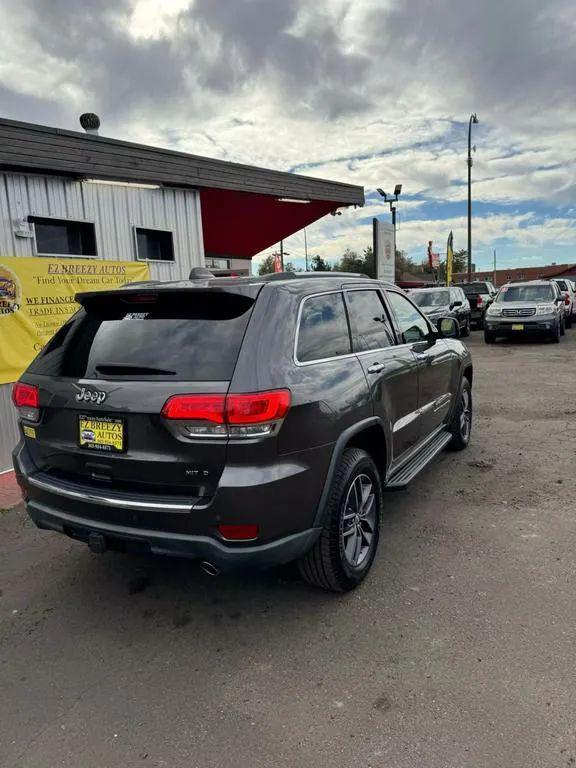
400	479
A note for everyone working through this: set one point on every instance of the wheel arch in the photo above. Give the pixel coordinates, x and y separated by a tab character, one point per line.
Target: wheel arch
368	435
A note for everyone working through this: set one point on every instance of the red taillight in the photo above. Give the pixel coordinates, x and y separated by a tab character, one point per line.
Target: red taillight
238	532
567	299
25	395
257	408
196	408
247	415
479	301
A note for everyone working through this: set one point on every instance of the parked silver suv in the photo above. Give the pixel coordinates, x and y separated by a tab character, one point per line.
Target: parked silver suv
532	307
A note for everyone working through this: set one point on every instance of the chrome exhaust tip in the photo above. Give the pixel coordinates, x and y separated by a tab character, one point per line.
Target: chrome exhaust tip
209	568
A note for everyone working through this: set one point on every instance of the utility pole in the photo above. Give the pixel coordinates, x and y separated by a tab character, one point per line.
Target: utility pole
494	280
473	119
306	249
282	254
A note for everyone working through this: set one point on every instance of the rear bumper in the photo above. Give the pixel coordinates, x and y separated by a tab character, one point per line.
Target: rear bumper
282	499
224	557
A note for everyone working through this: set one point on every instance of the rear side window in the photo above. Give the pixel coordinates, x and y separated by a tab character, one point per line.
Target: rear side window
369	320
469	288
187	336
323	331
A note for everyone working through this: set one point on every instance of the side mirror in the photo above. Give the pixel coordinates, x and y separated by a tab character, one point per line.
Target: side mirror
448	328
559	298
456	303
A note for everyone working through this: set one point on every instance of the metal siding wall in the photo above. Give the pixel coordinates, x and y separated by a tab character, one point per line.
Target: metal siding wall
115	210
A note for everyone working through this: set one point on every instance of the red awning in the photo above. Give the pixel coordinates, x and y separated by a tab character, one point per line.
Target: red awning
241	224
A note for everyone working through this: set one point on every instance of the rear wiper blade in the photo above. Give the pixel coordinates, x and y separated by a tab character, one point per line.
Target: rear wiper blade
120	369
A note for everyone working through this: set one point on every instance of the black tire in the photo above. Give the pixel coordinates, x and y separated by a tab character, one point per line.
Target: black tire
562	327
461	424
569	321
555	334
328	564
489	337
480	323
466	329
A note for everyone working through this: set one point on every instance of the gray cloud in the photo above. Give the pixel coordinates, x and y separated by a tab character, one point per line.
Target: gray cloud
256	41
499	56
253	44
21	106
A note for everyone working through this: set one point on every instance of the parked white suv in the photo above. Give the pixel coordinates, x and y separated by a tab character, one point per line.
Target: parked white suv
569	293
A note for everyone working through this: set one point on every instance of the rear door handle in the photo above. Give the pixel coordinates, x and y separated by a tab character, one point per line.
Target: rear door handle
376	368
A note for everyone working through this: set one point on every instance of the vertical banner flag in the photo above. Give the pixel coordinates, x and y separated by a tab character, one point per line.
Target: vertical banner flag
449	258
383	249
433	258
37	298
277	263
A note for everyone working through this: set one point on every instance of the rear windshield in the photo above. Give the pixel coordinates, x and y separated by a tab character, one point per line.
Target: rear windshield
190	336
526	293
469	288
430	298
562	285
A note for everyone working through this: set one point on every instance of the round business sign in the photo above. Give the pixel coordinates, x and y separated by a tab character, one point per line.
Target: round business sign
10	292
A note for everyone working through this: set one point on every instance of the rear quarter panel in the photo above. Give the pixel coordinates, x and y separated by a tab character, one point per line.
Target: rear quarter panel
327	397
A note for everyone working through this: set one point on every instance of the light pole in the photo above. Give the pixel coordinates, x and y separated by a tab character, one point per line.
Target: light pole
392	202
473	119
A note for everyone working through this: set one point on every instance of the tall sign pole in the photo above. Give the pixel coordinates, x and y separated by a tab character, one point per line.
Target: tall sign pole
473	119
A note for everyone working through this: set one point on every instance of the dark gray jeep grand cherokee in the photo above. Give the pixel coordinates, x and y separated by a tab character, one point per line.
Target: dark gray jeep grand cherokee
239	421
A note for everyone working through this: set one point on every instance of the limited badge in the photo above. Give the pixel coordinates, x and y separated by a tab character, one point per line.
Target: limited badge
30	432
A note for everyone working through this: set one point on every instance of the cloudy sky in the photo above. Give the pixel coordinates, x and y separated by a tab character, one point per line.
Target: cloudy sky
373	92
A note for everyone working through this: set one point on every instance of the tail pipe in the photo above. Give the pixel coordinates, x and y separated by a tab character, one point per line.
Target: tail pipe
209	568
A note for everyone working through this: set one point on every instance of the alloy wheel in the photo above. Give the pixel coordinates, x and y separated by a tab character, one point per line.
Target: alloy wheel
465	414
359	520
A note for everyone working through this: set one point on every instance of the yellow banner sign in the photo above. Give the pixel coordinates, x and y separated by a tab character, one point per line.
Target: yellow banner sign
37	297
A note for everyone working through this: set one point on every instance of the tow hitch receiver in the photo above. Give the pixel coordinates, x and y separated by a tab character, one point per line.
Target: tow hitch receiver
97	543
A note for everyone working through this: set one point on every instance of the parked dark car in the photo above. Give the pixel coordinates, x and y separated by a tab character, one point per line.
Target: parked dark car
239	421
521	308
444	302
480	295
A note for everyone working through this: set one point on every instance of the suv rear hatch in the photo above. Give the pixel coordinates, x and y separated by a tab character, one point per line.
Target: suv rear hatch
106	375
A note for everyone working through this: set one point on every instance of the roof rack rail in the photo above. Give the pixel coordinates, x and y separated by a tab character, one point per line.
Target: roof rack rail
302	275
200	273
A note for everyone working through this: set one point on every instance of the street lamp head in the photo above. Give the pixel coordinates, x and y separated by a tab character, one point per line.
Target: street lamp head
397	190
474	118
381	193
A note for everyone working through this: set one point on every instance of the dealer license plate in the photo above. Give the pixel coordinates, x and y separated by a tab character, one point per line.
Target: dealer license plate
101	434
518	327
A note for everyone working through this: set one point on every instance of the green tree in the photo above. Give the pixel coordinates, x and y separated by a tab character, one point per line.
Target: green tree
369	266
460	263
266	266
291	267
350	262
317	264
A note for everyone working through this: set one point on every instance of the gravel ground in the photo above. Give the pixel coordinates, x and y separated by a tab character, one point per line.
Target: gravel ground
458	651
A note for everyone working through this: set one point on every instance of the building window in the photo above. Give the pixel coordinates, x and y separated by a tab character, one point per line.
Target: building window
213	263
520	275
154	245
60	237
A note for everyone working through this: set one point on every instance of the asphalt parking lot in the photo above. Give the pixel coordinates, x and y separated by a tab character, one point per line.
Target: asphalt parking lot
458	651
